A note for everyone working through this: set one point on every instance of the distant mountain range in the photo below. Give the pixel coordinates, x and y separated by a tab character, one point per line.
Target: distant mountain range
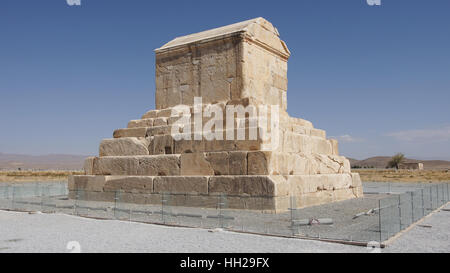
75	162
41	162
382	161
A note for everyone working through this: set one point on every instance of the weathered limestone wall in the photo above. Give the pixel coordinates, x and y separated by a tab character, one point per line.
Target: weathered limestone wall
219	163
271	193
210	71
264	75
250	64
410	166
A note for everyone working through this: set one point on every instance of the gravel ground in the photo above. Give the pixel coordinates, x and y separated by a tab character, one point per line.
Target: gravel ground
363	228
23	232
392	187
345	226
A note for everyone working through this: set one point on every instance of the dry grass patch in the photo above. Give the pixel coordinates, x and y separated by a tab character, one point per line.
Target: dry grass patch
391	175
29	176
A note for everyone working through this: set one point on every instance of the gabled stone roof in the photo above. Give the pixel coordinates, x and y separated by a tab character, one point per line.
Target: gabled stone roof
258	29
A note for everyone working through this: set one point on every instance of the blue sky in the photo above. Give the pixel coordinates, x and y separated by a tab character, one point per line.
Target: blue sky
375	77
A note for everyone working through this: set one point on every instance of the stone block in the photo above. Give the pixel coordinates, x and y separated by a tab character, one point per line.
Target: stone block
132	184
150	114
97	196
343	194
318	133
259	163
89	165
112	165
183	146
158	130
161	144
86	183
140	123
237	163
219	162
242	185
130	132
161	121
280	82
334	146
124	146
159	165
314	199
195	164
303	184
164	113
181	184
356	185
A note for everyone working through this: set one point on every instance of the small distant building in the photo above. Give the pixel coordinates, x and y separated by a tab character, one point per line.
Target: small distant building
410	166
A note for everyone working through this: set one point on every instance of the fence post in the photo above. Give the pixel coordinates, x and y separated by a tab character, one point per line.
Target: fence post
116	197
42	193
423	204
412	207
36	190
400	211
448	193
437	194
162	207
443	194
13	204
220	205
293	206
6	191
379	219
130	212
444	189
77	195
431	198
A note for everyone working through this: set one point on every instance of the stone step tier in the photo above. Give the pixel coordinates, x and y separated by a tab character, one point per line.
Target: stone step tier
168	112
286	122
141	128
158	140
271	193
218	163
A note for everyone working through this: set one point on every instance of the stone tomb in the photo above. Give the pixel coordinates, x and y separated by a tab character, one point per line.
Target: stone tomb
243	64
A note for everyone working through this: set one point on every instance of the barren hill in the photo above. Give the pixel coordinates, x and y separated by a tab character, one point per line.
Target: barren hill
41	162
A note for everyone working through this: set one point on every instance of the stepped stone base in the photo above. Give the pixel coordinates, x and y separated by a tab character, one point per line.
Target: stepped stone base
259	192
223	77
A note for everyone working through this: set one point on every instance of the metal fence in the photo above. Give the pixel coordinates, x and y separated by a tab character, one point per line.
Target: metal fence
376	217
397	212
30	196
